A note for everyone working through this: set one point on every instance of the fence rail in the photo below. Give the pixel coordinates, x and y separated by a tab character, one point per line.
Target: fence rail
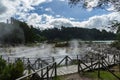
48	68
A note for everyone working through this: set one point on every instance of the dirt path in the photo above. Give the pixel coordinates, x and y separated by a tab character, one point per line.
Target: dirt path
75	76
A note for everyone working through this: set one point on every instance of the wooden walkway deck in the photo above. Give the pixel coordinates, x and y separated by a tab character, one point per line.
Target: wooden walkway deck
57	69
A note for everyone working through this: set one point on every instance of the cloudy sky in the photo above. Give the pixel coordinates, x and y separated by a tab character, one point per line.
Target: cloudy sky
56	13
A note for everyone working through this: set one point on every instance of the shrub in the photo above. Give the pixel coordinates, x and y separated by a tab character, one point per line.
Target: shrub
10	71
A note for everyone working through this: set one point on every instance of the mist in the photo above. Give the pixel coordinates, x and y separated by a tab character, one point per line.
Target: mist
10	32
48	50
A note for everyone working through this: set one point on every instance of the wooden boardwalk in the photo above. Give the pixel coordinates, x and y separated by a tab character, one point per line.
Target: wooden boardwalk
65	67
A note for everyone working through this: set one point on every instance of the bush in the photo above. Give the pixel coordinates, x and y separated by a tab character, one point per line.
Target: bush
10	71
116	44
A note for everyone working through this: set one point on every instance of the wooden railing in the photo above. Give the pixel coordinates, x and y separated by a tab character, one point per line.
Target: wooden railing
42	70
43	73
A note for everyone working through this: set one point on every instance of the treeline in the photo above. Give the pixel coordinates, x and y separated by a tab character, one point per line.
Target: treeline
68	33
18	32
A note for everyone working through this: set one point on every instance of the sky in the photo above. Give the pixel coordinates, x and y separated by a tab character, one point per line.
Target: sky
56	13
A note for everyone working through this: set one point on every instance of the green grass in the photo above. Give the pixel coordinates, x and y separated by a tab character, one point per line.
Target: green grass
104	75
58	78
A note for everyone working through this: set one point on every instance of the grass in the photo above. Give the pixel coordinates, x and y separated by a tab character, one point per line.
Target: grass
104	75
58	78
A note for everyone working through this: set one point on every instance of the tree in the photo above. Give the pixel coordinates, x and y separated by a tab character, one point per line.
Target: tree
68	33
2	65
98	3
115	25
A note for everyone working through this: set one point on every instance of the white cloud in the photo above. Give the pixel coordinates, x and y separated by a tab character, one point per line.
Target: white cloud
72	19
61	0
22	8
91	4
49	10
61	22
37	2
58	16
2	8
98	22
41	21
11	8
34	19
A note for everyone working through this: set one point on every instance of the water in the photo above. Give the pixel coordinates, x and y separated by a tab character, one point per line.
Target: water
49	50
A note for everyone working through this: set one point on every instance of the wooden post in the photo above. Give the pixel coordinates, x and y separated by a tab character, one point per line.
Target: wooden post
66	60
119	61
78	66
55	70
108	59
78	62
38	63
105	55
28	63
98	66
114	58
8	59
102	58
77	58
53	59
91	59
41	67
23	60
47	73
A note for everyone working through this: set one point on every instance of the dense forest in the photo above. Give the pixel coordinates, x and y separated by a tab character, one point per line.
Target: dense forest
68	33
17	32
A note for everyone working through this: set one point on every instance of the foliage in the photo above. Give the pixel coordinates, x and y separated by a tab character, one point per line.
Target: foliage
9	71
104	4
30	33
104	75
68	33
116	44
116	26
2	64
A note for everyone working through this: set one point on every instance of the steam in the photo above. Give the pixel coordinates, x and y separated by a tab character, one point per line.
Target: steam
49	50
7	31
74	46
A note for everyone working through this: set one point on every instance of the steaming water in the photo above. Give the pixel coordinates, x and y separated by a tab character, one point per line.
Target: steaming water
46	50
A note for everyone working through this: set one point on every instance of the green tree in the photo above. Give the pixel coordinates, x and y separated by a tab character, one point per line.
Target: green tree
17	68
116	26
2	65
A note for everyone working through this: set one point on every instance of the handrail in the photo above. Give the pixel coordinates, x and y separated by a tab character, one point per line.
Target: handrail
35	71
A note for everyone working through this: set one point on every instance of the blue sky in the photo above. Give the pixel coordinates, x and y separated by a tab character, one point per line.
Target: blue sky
64	9
56	13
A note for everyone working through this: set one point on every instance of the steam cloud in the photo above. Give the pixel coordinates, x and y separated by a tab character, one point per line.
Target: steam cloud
9	30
